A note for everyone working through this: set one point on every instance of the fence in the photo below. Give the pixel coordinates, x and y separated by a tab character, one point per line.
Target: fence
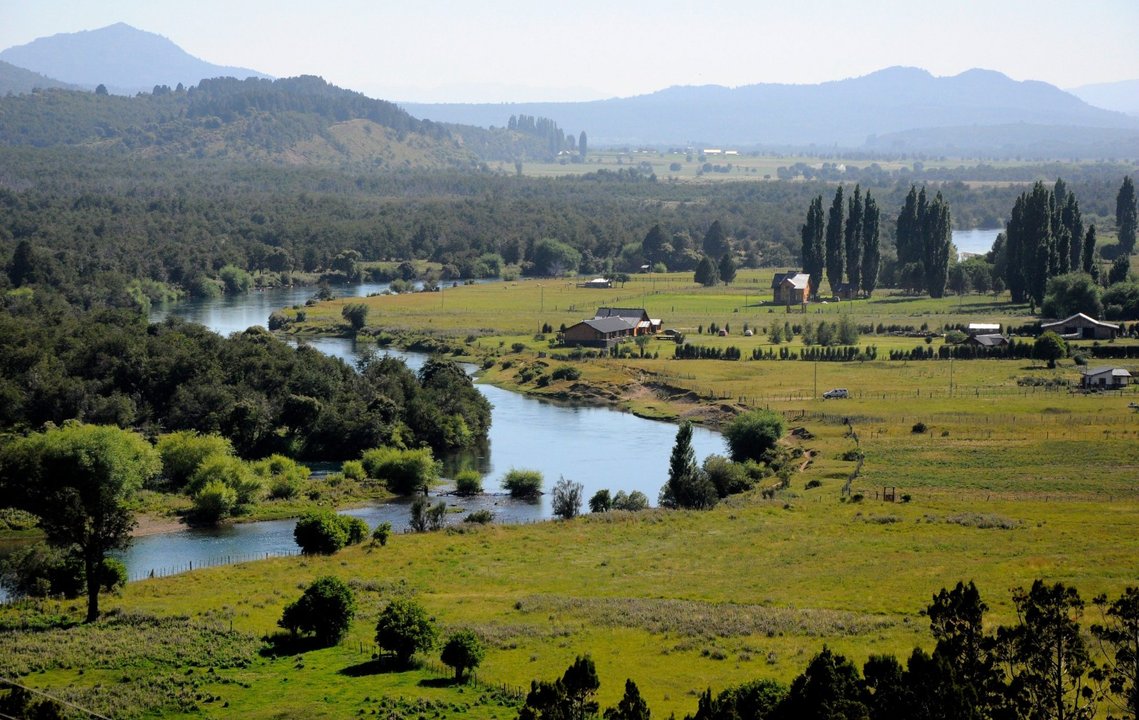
192	565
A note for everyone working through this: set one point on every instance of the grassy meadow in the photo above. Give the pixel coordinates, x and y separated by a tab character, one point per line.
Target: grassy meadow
1013	479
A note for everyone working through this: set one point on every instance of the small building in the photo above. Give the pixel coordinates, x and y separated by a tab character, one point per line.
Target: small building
637	317
844	291
599	332
1082	327
983	329
597	283
1105	378
988	340
791	288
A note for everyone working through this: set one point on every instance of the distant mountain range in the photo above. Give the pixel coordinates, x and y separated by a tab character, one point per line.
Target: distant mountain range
896	110
122	58
847	113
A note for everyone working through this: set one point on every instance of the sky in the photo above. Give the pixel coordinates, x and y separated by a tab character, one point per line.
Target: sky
513	51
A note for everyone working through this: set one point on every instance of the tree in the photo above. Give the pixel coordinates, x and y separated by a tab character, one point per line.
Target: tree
1050	656
1088	257
835	250
937	234
1119	637
1120	269
553	257
756	700
687	486
827	690
631	706
567	498
463	651
100	89
1125	215
656	247
753	434
729	478
22	266
727	269
582	144
871	253
601	501
79	480
1073	223
581	684
956	620
325	609
716	242
405	629
323	532
813	250
707	273
853	242
184	451
356	314
908	233
1070	294
1051	347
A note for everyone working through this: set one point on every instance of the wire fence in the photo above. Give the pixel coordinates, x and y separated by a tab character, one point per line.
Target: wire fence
218	561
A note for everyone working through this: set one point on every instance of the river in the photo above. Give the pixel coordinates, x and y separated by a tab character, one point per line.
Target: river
597	447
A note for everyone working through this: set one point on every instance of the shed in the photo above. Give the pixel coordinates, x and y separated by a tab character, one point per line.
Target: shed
599	283
1082	327
1105	378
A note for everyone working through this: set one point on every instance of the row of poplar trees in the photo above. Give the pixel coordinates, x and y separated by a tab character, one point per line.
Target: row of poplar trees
846	245
1045	237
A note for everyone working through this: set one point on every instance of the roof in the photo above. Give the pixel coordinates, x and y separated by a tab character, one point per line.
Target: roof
990	340
984	326
1081	318
799	280
1115	372
608	324
608	312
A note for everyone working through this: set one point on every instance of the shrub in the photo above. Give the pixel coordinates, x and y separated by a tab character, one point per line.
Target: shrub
750	435
918	428
405	472
468	482
285	475
404	629
354	470
381	533
463	651
480	517
729	478
232	471
325	609
183	451
633	502
567	498
566	372
213	503
355	528
812	484
356	314
320	532
523	483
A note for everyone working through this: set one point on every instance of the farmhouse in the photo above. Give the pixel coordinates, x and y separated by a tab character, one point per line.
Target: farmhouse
791	288
1082	327
1106	378
637	317
600	332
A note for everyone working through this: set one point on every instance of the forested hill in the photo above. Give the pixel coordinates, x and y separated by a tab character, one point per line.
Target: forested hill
301	120
17	80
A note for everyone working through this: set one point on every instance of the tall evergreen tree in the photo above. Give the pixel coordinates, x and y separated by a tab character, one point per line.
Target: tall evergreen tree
937	236
814	253
853	239
655	247
1040	243
871	254
1088	257
716	241
582	144
908	229
836	257
707	272
1125	215
727	269
1073	224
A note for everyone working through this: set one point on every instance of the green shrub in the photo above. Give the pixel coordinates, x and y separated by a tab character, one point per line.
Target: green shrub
353	469
213	503
381	533
468	482
320	533
480	517
405	472
355	528
812	484
235	473
325	609
404	629
566	372
918	428
463	651
633	502
523	483
184	451
752	434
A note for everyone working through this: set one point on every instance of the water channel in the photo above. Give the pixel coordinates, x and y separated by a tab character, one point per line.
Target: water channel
597	447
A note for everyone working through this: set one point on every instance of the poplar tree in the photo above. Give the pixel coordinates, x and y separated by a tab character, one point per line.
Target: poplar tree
853	237
871	254
814	255
1125	215
836	259
1089	249
1073	224
937	234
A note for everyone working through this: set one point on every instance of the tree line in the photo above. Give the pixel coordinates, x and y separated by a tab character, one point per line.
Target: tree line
847	244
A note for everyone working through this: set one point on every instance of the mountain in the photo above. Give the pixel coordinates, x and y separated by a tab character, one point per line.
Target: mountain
844	113
122	58
17	80
1120	96
293	121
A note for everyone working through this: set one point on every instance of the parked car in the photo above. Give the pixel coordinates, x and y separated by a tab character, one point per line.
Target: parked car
836	393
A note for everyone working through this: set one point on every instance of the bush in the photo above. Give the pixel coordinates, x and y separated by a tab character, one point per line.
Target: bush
235	473
812	484
320	533
353	470
918	428
285	475
468	482
523	483
355	528
567	499
729	478
752	434
405	472
325	609
381	533
405	629
633	502
480	517
356	314
566	372
213	503
463	651
182	453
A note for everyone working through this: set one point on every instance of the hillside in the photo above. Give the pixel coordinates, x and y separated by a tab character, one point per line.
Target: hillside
300	120
122	58
17	80
844	113
1120	96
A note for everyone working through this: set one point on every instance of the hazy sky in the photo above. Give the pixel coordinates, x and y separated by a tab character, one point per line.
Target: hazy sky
499	50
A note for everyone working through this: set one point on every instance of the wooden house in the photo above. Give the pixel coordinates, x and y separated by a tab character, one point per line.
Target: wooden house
791	288
637	317
599	332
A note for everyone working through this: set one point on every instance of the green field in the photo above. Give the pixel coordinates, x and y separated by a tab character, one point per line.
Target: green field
1012	480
